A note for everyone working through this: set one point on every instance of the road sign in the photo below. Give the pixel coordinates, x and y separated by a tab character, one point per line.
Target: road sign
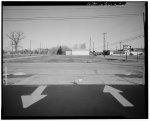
126	47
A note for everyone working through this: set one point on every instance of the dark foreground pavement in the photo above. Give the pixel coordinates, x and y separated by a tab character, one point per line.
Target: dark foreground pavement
74	101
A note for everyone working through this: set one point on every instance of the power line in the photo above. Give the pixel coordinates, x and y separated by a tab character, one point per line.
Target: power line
127	40
133	38
83	16
122	41
71	17
77	8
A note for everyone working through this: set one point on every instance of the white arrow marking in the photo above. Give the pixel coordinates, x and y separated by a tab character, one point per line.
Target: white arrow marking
28	100
116	94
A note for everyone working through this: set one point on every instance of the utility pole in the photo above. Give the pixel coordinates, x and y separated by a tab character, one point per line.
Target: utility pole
104	43
30	47
93	46
126	55
137	54
120	48
107	46
40	47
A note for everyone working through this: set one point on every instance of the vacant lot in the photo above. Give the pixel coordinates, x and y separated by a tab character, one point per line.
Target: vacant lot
66	69
75	59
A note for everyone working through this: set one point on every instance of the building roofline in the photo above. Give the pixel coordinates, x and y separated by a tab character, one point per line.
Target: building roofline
81	49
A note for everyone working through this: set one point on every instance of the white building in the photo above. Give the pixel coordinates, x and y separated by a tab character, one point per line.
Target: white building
127	50
116	52
69	52
78	52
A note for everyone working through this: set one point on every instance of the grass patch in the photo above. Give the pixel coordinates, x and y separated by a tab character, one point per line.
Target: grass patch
69	59
56	59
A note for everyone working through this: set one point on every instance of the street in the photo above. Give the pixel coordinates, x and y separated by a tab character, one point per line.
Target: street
74	100
104	90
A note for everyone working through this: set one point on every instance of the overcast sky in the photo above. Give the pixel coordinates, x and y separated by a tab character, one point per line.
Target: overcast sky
69	25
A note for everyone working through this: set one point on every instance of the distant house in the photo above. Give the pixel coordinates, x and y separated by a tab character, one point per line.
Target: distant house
111	52
117	52
133	51
69	52
78	52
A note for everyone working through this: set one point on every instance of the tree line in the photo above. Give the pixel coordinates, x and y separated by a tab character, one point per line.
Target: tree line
17	36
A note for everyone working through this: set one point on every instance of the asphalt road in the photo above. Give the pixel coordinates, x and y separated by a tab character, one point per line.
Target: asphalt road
74	101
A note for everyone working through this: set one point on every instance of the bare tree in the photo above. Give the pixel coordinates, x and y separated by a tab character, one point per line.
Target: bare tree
16	37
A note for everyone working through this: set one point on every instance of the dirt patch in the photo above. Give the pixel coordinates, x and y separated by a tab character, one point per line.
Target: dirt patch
96	72
130	76
127	60
19	76
111	59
